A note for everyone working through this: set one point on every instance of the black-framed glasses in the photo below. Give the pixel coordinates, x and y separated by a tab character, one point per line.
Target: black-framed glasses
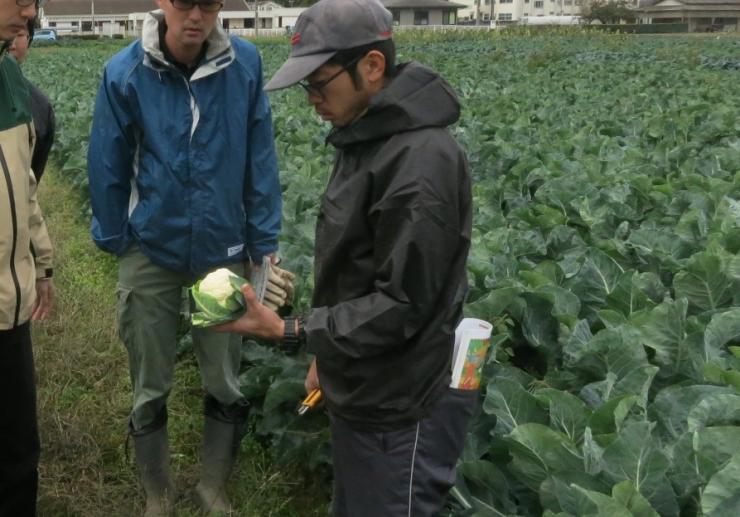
207	6
317	87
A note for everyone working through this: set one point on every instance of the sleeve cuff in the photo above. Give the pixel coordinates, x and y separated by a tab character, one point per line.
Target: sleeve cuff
42	273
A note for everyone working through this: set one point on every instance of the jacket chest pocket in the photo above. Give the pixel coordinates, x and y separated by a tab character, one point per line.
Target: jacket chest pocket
330	225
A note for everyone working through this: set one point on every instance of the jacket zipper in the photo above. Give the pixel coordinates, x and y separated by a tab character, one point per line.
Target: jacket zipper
14	226
193	110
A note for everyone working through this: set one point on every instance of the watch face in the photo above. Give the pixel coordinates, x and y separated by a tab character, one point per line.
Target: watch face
291	342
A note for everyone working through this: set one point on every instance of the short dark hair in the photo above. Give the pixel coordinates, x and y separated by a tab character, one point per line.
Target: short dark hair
31	28
349	57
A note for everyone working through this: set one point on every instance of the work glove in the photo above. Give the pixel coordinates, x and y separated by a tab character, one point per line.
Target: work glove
273	285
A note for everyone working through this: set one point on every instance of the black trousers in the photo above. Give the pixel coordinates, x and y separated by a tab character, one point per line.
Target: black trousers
405	472
19	437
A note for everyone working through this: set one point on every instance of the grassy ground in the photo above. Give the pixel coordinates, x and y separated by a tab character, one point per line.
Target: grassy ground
84	398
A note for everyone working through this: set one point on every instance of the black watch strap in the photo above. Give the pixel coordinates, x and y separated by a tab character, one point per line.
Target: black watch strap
292	340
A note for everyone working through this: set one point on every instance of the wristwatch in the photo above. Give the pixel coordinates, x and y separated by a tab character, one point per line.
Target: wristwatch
292	340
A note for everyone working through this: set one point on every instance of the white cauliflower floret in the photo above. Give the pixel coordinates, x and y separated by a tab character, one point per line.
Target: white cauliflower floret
218	285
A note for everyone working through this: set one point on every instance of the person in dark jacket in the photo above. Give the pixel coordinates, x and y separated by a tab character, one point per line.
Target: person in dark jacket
392	239
44	121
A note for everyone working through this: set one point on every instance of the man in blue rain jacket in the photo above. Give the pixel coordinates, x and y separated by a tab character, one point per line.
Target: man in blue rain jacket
183	180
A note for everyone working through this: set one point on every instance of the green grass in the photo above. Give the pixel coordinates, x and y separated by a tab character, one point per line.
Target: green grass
84	398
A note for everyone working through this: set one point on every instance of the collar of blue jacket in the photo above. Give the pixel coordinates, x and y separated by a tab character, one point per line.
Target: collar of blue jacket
220	53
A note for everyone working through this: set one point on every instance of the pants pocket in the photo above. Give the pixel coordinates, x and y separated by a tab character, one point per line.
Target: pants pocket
125	313
462	402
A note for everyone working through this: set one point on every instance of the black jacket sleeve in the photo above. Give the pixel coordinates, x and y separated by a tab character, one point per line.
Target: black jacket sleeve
45	125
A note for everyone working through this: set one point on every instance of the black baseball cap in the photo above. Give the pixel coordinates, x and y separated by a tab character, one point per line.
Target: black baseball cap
326	28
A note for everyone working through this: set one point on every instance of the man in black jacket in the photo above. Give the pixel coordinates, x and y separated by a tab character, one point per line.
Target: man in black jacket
392	240
43	114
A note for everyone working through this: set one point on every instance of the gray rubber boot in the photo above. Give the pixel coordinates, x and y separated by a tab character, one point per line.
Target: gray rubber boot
217	460
222	432
153	462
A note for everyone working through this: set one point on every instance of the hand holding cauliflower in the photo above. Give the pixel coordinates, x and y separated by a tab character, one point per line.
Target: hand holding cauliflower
218	297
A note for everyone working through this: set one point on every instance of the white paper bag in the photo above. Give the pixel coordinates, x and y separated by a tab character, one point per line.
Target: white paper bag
472	340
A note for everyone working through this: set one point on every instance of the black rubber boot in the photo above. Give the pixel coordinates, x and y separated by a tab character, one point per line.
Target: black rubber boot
223	430
153	462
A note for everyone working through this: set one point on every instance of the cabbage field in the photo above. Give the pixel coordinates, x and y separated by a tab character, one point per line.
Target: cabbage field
606	236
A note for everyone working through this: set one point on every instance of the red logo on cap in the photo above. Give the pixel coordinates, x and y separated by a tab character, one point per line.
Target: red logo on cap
296	39
385	34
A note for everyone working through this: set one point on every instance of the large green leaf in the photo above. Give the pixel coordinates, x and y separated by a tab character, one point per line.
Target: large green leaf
473	505
539	326
703	283
614	357
616	351
512	405
597	278
603	504
714	372
486	484
715	446
721	496
288	389
609	417
568	413
698	455
637	456
538	451
493	304
724	328
549	491
635	292
663	329
636	382
672	405
565	304
713	410
626	493
577	500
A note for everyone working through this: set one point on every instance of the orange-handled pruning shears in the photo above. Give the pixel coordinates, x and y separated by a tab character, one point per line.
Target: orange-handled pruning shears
310	401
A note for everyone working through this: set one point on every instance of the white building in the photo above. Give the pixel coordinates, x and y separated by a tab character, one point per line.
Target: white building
504	12
126	17
701	15
270	15
423	12
512	11
468	13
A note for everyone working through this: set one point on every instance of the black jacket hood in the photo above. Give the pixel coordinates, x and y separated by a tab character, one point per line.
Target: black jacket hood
403	106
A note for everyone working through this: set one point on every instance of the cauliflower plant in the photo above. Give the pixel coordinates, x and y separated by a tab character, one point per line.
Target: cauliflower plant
217	298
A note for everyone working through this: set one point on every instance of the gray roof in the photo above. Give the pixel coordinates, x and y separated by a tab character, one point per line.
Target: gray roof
102	7
239	5
429	4
105	7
